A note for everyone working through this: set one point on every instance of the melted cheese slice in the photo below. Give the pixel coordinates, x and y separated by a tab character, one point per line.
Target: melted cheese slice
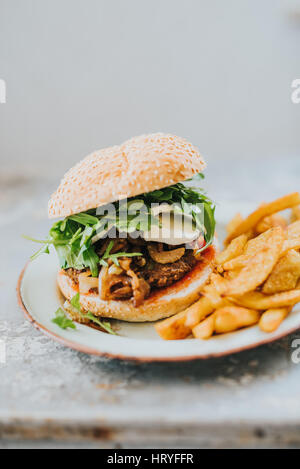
174	229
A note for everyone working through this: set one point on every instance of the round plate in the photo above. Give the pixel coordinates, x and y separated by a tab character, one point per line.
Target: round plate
39	298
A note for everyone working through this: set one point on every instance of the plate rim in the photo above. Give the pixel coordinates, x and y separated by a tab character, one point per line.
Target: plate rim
130	358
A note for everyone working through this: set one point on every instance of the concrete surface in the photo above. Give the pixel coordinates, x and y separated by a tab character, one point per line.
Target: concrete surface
51	396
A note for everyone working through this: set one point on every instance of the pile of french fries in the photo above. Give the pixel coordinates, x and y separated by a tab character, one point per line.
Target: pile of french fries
255	279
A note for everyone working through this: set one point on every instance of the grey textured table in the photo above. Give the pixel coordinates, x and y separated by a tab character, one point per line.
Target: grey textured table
52	396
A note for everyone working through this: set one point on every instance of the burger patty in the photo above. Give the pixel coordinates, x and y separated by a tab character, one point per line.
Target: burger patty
164	275
157	275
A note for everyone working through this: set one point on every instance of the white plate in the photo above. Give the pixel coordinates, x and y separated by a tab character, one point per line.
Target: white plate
39	298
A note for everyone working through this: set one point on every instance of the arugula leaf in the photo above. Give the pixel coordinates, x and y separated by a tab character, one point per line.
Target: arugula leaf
209	220
114	257
73	236
125	254
62	320
91	260
86	235
39	241
63	225
107	250
75	302
197	176
104	324
84	219
43	250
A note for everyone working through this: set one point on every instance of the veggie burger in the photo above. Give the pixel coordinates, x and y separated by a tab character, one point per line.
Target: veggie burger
135	239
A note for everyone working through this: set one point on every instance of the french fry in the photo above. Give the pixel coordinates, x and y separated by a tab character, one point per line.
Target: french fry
231	274
205	329
295	215
254	246
198	311
234	249
215	289
177	327
217	284
210	300
293	230
290	244
237	263
257	300
272	318
270	222
285	274
174	327
234	223
263	211
259	266
256	278
231	318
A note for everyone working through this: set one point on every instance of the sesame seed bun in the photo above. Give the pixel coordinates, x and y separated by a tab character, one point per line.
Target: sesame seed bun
141	164
161	303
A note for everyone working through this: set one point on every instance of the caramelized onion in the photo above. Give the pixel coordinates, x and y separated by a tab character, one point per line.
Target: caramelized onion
165	257
114	287
140	288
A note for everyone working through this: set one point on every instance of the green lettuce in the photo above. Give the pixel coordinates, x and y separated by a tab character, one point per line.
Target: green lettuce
73	236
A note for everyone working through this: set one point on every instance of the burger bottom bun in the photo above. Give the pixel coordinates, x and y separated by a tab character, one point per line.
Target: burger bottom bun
161	303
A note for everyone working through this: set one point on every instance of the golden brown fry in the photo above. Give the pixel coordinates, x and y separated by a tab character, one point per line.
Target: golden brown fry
259	266
290	244
234	223
234	249
293	230
254	246
215	289
285	274
272	318
210	300
198	311
230	274
262	241
270	222
237	263
205	329
263	211
295	215
217	282
258	300
231	318
230	300
174	327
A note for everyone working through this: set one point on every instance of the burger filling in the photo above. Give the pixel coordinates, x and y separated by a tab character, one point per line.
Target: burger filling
126	257
135	277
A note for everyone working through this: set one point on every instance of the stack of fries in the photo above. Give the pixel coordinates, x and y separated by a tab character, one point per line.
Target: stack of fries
255	279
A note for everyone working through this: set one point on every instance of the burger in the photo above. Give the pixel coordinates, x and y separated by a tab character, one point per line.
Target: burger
135	235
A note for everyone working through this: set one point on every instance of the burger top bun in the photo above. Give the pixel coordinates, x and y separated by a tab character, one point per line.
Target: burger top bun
141	164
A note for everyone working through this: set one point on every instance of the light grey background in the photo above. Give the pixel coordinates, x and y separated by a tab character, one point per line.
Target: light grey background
83	74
